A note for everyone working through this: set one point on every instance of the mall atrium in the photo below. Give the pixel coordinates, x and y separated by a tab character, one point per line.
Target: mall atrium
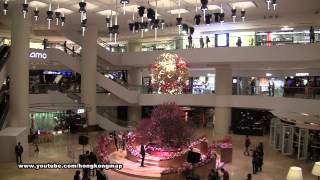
160	89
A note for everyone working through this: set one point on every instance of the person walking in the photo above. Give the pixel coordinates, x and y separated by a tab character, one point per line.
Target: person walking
65	47
93	160
239	42
213	175
269	89
18	151
272	89
225	175
143	154
247	144
207	41
311	34
253	86
201	42
190	41
73	51
249	177
77	175
254	162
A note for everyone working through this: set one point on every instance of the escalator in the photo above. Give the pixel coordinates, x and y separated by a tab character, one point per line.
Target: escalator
4	95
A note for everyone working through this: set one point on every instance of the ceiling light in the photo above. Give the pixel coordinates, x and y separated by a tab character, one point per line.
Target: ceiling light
124	2
36	14
37	4
302	74
89	6
234	14
268	74
176	11
243	5
107	12
5	7
286	28
25	6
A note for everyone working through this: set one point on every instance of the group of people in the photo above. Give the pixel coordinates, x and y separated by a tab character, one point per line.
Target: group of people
257	155
100	175
215	175
89	158
201	42
120	140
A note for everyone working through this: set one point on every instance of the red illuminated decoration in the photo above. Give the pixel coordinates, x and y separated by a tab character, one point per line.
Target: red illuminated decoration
169	74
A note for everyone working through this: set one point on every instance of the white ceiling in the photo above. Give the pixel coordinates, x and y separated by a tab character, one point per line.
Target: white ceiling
288	12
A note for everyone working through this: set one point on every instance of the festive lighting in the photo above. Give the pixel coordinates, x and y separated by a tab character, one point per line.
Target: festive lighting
169	74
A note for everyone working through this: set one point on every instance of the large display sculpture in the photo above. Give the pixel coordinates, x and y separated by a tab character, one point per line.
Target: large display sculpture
169	74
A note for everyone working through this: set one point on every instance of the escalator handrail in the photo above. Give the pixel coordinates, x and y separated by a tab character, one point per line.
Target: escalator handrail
4	54
4	115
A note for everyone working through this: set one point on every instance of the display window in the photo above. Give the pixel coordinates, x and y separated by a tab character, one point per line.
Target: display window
247	38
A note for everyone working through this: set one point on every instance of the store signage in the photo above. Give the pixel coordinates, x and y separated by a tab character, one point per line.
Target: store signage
38	55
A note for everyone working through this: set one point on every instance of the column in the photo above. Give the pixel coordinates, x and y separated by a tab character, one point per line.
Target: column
19	67
222	117
134	79
88	72
179	43
134	47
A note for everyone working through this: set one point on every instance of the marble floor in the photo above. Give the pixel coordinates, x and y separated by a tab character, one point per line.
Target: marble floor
65	148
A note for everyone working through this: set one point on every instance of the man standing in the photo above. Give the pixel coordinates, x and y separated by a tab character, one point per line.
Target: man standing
247	144
207	41
190	41
311	34
201	42
143	154
19	151
239	42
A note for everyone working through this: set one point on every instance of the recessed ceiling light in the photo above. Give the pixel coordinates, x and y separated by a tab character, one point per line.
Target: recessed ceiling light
163	3
64	10
176	11
243	5
131	8
107	12
37	4
89	6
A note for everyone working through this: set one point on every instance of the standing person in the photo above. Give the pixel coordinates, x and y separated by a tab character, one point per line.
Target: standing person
311	34
260	155
190	41
272	88
213	175
101	175
254	162
247	144
239	42
65	46
93	160
123	141
225	175
207	41
201	42
73	51
18	151
143	154
44	43
253	86
77	175
269	89
115	138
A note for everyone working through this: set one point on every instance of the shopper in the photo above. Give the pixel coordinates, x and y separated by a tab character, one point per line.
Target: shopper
253	86
143	154
77	175
269	89
272	88
201	42
239	42
44	43
93	160
311	34
254	162
85	176
18	151
115	138
101	175
190	41
213	175
225	175
249	177
65	47
207	41
73	51
247	144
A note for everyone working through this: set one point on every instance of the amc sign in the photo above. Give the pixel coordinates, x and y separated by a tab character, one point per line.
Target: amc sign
38	55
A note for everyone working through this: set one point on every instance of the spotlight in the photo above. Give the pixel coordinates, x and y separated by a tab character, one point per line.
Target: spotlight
82	9
197	19
141	12
208	18
204	5
124	2
108	21
234	14
162	23
25	6
243	14
136	26
49	17
216	17
156	24
83	26
58	14
274	4
36	14
5	7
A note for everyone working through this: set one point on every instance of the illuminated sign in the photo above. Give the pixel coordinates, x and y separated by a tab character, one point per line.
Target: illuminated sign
302	74
38	55
80	111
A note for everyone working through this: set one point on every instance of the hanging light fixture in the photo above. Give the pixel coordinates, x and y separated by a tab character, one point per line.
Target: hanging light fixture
57	14
243	15
49	15
234	14
141	10
36	14
5	7
150	14
156	22
124	2
274	4
25	6
179	18
216	17
208	18
162	23
131	27
83	24
110	27
63	20
197	19
115	27
221	15
108	21
82	9
191	30
268	3
204	8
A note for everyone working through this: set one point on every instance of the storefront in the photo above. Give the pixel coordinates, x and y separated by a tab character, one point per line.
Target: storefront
159	45
203	84
247	38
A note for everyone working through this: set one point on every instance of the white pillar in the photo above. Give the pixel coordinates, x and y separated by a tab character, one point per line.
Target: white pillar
223	86
88	72
134	79
19	67
134	47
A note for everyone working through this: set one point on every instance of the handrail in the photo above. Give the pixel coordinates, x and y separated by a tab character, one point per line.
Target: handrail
4	113
4	54
115	119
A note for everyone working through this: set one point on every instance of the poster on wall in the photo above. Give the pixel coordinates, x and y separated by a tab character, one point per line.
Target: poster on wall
222	40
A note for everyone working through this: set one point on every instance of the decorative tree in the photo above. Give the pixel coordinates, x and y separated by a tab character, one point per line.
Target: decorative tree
169	74
167	126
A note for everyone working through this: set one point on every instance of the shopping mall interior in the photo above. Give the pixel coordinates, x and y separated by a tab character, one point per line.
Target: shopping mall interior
160	89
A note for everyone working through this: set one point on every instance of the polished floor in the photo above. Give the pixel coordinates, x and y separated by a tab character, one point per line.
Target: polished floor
65	148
